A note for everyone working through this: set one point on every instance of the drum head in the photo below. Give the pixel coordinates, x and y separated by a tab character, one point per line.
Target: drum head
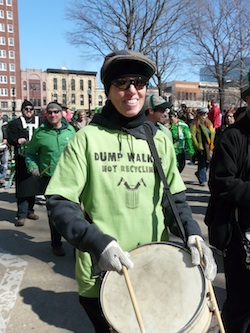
169	290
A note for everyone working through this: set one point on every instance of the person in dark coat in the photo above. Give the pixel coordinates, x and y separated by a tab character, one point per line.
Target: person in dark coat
228	219
19	133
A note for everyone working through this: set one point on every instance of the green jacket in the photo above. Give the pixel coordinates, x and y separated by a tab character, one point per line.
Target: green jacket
181	138
46	146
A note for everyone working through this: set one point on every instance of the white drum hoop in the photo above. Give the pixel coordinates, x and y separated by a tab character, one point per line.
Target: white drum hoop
171	293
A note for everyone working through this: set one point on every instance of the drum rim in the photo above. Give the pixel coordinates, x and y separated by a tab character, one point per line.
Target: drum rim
174	244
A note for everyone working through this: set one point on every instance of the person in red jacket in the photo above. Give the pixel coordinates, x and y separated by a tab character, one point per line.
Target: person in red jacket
214	115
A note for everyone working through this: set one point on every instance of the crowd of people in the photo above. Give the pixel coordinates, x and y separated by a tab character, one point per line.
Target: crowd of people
94	212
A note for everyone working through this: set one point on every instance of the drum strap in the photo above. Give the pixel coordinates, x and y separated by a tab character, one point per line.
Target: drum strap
157	160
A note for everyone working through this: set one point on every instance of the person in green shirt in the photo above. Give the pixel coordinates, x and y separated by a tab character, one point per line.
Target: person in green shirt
181	138
108	169
157	109
43	152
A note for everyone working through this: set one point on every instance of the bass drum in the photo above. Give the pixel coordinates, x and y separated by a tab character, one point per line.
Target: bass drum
171	293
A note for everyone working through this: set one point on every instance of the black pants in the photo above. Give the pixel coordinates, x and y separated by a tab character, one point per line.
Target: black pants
93	310
181	158
236	309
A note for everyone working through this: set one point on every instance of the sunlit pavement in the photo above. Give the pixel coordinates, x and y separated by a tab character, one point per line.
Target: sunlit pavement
38	292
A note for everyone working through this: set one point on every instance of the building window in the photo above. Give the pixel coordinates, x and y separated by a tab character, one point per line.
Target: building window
3	66
1	2
4	105
2	54
3	92
1	14
11	41
44	102
63	84
81	85
81	99
195	96
179	95
12	79
73	99
186	95
183	96
89	84
9	2
38	102
190	96
55	97
100	100
10	28
12	54
2	27
2	40
9	15
12	67
44	86
55	83
24	85
64	99
73	84
3	79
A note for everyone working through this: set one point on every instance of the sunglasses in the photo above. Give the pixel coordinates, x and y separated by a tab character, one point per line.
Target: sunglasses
28	109
160	110
125	83
54	111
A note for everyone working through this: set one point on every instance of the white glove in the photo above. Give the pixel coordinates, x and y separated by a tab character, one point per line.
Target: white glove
35	172
210	266
247	235
113	257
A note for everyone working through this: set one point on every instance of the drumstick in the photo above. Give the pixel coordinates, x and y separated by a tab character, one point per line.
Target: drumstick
212	294
133	299
45	169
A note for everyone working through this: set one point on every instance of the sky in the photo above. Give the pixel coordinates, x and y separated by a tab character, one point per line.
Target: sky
43	44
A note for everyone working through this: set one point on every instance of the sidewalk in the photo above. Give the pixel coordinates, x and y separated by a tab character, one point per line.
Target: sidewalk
38	292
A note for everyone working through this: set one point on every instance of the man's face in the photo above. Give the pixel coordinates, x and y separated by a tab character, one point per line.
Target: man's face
54	117
159	115
28	112
128	95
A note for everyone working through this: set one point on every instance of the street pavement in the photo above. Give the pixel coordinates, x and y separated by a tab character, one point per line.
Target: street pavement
38	292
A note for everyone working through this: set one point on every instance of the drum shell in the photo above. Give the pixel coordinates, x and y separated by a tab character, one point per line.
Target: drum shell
171	293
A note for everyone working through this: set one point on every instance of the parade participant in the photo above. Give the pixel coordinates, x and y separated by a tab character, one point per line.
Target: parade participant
203	134
157	109
4	150
227	217
43	152
214	115
81	120
102	169
181	138
19	133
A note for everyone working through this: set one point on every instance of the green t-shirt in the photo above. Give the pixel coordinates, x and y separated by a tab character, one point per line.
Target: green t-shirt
112	174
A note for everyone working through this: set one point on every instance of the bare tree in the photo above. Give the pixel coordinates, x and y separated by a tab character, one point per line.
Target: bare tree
152	27
218	36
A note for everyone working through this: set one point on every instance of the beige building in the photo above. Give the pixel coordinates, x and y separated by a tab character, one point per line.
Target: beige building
75	88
